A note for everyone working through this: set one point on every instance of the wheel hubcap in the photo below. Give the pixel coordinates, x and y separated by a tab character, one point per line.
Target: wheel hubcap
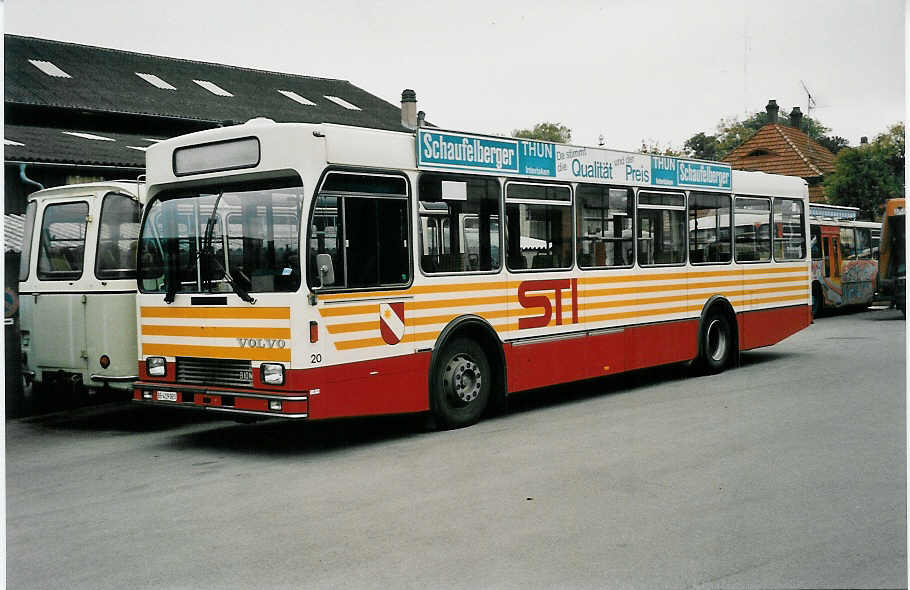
717	340
462	380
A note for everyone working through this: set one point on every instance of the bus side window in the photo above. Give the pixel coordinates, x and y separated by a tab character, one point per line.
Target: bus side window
540	226
816	233
661	228
709	228
789	230
61	251
27	235
459	223
361	221
847	245
117	234
604	226
752	218
863	243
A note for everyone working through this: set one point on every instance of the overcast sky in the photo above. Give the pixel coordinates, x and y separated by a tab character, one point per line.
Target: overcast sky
629	70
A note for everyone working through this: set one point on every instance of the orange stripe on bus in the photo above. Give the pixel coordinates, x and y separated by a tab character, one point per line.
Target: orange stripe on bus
421	290
352	327
221	352
216	331
457	304
262	313
582	280
512	327
331	312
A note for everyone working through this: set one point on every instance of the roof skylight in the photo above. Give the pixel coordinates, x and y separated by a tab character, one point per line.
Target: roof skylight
11	142
49	68
297	98
343	102
137	147
88	136
213	88
155	81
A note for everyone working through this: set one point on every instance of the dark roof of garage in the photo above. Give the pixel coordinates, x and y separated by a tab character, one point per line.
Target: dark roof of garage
48	145
41	72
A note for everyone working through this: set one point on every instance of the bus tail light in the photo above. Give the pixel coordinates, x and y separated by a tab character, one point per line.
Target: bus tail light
272	373
314	332
156	366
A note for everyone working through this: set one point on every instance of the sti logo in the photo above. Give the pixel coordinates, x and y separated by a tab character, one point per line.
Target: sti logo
542	301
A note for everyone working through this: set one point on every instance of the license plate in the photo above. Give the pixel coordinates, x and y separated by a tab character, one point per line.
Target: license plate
167	396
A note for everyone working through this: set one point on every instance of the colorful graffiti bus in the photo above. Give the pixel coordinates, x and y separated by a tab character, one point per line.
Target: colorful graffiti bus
322	271
77	289
844	263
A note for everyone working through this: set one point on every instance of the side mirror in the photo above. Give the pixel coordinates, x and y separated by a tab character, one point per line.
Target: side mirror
326	270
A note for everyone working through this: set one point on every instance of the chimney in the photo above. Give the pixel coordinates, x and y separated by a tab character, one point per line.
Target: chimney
409	109
771	108
863	140
796	117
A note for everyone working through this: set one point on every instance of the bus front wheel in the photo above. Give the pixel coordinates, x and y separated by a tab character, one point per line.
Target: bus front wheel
717	343
461	384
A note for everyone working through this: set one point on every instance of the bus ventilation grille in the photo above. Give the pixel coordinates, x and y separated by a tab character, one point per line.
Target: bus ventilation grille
214	371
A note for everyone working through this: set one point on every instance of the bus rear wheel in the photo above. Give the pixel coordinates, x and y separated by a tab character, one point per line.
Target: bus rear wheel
461	384
717	343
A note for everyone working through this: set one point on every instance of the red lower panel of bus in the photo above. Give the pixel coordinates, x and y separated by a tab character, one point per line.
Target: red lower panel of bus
400	384
539	364
767	327
383	386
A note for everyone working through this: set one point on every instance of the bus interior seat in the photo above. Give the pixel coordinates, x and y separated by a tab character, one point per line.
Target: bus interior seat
543	261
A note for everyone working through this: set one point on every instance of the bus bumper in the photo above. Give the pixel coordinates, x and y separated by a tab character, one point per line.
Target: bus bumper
263	404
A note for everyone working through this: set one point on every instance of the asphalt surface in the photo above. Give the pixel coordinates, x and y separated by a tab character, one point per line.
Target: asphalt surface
787	472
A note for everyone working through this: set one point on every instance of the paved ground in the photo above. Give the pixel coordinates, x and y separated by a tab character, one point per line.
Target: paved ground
789	471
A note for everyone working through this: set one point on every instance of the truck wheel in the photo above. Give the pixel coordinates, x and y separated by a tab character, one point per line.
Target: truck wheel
461	384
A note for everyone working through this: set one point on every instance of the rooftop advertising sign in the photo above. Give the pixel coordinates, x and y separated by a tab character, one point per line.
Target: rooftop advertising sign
456	151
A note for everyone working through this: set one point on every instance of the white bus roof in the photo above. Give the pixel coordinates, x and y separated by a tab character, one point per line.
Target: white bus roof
129	187
764	185
357	146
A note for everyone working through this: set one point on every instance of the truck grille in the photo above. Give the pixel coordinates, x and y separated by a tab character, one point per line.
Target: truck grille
214	371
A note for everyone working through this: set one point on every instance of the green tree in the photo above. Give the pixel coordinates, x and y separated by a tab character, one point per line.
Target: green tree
653	147
868	175
835	143
555	132
701	146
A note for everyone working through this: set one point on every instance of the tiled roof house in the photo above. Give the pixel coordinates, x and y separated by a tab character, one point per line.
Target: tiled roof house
787	150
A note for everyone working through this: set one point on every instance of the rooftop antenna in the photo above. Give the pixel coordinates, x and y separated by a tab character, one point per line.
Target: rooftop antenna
810	102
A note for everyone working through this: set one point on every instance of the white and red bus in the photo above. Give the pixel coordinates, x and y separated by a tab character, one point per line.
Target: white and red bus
320	271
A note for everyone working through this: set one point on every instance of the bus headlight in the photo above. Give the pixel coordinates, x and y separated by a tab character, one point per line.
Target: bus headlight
156	366
272	373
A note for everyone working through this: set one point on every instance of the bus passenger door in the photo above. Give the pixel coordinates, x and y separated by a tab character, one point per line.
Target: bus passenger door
58	333
832	267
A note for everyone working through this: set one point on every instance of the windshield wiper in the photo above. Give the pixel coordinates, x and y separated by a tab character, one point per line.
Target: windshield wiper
241	292
207	252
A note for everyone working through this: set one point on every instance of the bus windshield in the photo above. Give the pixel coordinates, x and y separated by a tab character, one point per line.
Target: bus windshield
222	241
